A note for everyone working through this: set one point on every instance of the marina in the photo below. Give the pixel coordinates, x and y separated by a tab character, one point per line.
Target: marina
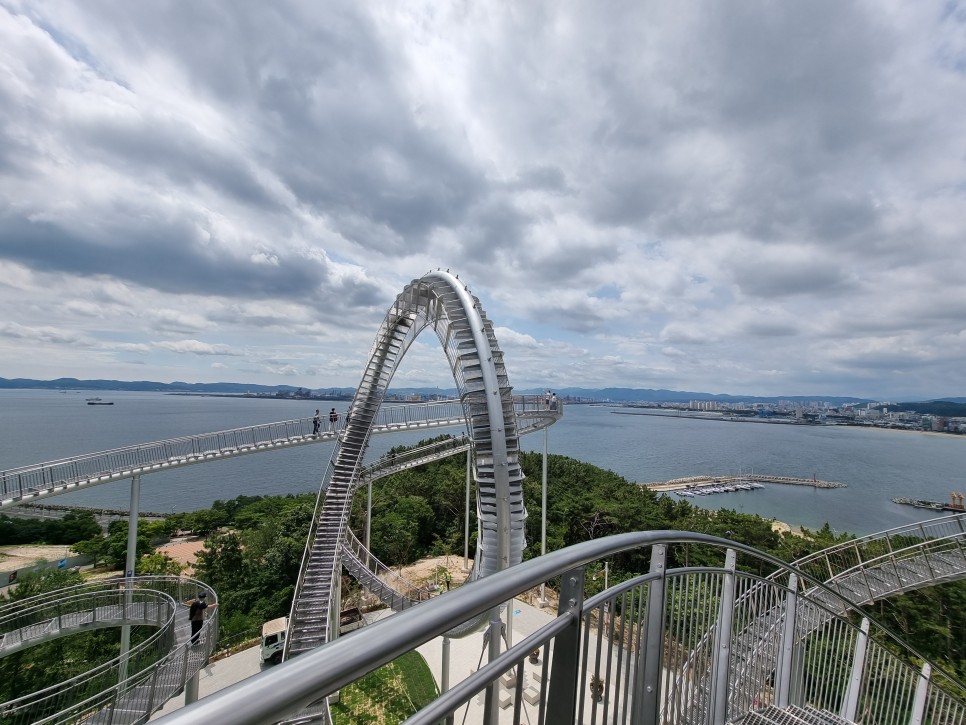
709	485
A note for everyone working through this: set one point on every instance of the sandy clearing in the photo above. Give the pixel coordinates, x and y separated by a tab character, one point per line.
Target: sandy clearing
22	555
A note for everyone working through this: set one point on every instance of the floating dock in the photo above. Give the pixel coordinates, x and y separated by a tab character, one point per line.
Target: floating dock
955	504
703	485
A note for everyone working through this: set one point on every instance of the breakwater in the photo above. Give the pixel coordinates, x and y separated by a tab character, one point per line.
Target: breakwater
679	484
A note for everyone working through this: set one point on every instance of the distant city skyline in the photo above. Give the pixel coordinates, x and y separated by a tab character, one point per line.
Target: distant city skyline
745	199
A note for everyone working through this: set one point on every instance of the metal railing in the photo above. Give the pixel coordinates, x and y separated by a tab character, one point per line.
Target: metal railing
155	668
68	474
845	558
615	657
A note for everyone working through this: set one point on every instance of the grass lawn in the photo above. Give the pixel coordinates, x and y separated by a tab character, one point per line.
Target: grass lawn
388	695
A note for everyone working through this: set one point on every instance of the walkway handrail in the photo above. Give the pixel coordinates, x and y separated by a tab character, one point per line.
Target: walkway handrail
404	592
888	566
650	618
67	474
60	618
829	563
165	660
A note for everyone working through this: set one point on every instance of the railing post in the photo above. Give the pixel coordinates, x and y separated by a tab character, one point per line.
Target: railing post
645	703
444	678
922	690
368	513
543	515
721	666
850	703
562	690
784	675
191	688
466	526
132	542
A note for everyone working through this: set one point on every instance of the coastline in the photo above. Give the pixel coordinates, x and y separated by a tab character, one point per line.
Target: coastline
714	417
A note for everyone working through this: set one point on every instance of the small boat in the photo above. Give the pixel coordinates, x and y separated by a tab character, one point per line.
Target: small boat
98	401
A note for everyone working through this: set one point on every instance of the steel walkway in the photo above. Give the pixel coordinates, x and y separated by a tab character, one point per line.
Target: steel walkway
27	484
440	301
53	478
631	669
892	562
854	573
126	689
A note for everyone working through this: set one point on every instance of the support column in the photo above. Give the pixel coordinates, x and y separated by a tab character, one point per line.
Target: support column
335	614
564	672
369	515
721	665
129	565
918	712
191	689
543	515
850	703
645	706
509	624
444	678
466	527
783	676
491	698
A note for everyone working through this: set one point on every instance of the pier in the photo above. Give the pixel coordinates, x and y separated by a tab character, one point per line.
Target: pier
689	482
956	503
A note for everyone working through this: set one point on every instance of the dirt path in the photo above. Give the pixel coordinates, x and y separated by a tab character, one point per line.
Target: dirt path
428	573
24	555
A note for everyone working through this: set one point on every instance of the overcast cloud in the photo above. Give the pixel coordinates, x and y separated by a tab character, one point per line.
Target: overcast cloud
748	197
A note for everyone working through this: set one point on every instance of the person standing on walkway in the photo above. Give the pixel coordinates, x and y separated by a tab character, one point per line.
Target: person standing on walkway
316	423
333	419
196	613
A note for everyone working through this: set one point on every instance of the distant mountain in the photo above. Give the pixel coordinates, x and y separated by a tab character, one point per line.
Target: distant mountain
619	395
142	385
947	407
648	395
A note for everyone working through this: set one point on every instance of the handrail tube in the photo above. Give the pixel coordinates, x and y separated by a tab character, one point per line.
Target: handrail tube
294	684
167	589
300	681
62	475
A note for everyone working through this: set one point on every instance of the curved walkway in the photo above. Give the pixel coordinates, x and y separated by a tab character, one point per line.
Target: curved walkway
855	573
127	688
892	562
53	478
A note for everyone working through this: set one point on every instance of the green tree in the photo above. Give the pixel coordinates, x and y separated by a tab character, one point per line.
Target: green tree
158	563
40	582
95	547
117	535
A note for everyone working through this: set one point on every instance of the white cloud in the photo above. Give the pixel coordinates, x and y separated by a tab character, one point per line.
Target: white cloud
751	198
193	347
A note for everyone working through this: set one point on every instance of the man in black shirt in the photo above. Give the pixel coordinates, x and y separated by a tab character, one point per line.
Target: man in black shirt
196	613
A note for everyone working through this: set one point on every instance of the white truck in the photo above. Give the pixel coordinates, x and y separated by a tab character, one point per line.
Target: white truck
273	633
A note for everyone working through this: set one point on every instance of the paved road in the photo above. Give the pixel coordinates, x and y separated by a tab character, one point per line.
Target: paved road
464	659
217	676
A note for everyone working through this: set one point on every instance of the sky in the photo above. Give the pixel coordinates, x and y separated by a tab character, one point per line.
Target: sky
753	198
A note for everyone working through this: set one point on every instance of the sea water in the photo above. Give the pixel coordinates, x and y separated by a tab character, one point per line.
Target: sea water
876	465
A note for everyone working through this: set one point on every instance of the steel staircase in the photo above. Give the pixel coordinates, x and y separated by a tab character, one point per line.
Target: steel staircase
466	335
792	715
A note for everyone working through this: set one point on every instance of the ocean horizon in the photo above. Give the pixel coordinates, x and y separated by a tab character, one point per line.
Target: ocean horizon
876	465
